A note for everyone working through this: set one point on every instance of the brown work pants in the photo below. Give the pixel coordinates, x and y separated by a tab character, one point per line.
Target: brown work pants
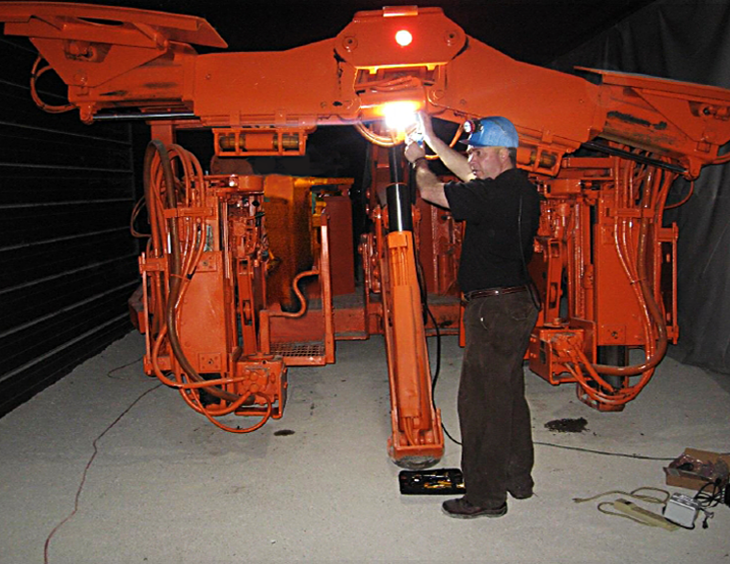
497	451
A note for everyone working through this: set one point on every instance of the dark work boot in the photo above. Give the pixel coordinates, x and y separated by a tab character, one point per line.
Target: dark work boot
520	493
460	508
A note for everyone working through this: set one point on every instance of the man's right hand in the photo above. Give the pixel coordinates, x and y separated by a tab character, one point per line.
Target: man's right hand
413	150
425	127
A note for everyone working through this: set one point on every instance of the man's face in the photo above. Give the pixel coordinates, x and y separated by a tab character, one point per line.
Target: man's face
486	162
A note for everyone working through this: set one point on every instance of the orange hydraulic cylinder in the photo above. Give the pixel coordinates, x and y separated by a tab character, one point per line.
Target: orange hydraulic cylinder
416	423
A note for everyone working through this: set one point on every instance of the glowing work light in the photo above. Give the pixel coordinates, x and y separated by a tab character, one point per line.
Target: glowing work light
472	126
400	115
403	37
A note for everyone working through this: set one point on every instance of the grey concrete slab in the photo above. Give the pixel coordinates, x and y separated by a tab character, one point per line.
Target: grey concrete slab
165	486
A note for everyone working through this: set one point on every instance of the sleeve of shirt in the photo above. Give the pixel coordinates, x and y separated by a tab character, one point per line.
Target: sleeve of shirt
468	201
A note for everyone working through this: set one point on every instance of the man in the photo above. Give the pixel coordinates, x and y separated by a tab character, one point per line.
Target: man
501	208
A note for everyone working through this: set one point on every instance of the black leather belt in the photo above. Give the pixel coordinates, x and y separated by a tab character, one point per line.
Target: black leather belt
493	292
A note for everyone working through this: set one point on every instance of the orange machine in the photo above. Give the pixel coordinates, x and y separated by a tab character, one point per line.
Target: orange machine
229	301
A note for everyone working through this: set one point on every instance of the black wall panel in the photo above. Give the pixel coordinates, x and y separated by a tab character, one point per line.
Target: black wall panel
67	260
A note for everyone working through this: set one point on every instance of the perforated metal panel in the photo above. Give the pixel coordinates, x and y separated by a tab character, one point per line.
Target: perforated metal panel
298	350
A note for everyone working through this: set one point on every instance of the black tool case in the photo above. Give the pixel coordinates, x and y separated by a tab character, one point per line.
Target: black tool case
438	481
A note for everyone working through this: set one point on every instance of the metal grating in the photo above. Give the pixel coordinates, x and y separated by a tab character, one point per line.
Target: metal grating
299	350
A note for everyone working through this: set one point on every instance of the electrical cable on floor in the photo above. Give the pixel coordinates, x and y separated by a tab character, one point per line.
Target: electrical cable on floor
88	465
628	510
118	368
634	494
712	498
706	500
603	452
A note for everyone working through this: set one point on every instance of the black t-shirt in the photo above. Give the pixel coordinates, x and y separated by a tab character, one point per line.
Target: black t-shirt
490	254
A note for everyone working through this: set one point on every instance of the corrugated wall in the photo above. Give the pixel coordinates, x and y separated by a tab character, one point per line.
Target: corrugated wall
67	260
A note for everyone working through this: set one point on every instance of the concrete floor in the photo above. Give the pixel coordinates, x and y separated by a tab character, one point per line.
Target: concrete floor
165	486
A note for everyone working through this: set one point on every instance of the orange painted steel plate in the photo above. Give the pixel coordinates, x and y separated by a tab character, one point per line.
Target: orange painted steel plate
107	24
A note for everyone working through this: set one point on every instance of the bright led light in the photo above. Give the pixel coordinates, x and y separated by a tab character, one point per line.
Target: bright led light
400	115
403	38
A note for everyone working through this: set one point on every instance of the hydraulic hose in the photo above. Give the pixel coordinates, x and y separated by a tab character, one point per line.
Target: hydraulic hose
158	173
299	294
647	302
35	74
654	325
375	138
155	245
176	277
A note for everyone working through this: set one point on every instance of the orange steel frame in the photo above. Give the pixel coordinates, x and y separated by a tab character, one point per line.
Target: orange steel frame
605	265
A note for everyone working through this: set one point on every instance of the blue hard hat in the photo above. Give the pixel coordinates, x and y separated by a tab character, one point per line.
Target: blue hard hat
494	131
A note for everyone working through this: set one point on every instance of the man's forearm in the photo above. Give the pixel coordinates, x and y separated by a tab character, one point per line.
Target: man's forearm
453	160
429	186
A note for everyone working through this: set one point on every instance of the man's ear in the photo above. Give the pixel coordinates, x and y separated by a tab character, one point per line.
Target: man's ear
503	154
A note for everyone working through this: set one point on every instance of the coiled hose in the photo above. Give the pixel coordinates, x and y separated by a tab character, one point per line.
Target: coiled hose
159	175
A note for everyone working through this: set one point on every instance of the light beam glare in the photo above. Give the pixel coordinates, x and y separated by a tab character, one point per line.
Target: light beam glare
400	116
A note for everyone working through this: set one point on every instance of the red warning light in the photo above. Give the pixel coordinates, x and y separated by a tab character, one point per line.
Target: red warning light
403	38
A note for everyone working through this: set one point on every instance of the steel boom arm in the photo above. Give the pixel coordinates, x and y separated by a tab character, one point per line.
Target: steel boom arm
113	59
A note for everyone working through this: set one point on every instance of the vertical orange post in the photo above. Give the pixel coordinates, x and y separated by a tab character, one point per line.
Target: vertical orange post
325	278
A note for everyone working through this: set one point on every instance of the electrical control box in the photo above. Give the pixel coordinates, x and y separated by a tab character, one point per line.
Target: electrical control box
681	510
